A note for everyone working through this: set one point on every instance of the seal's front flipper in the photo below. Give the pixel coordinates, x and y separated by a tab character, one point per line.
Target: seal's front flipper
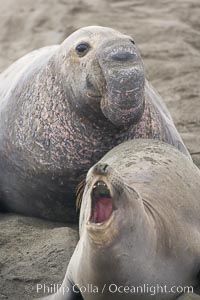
171	135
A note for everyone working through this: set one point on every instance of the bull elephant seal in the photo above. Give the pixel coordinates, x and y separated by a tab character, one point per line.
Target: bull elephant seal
139	227
62	108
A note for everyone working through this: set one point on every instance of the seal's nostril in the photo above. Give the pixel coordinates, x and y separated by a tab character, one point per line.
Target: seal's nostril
105	167
101	169
122	56
132	41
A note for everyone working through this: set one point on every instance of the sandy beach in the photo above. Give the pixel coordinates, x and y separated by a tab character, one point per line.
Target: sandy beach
167	33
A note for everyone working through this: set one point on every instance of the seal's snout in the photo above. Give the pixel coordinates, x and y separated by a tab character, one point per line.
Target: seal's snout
119	50
102	203
122	55
101	169
122	101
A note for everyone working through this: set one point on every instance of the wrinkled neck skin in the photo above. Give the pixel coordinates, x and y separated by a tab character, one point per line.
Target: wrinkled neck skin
120	249
75	109
50	130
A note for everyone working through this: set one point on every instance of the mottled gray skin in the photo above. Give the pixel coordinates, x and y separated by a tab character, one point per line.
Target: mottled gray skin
60	112
153	235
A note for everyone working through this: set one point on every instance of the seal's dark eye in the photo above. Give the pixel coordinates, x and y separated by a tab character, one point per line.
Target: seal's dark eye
82	49
132	41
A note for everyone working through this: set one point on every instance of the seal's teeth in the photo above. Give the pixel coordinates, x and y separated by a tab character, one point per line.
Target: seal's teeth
101	183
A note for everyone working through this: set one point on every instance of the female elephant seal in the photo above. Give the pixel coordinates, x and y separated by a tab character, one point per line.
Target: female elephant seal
139	226
62	108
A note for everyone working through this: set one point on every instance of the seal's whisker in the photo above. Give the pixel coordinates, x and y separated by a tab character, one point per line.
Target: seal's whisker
79	193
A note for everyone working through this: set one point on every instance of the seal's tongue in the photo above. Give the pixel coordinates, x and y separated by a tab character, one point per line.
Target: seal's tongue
102	203
102	210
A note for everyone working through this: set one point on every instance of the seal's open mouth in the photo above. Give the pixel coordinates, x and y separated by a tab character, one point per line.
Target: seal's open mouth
102	203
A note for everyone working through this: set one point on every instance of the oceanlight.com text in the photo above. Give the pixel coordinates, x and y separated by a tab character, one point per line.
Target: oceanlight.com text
114	289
